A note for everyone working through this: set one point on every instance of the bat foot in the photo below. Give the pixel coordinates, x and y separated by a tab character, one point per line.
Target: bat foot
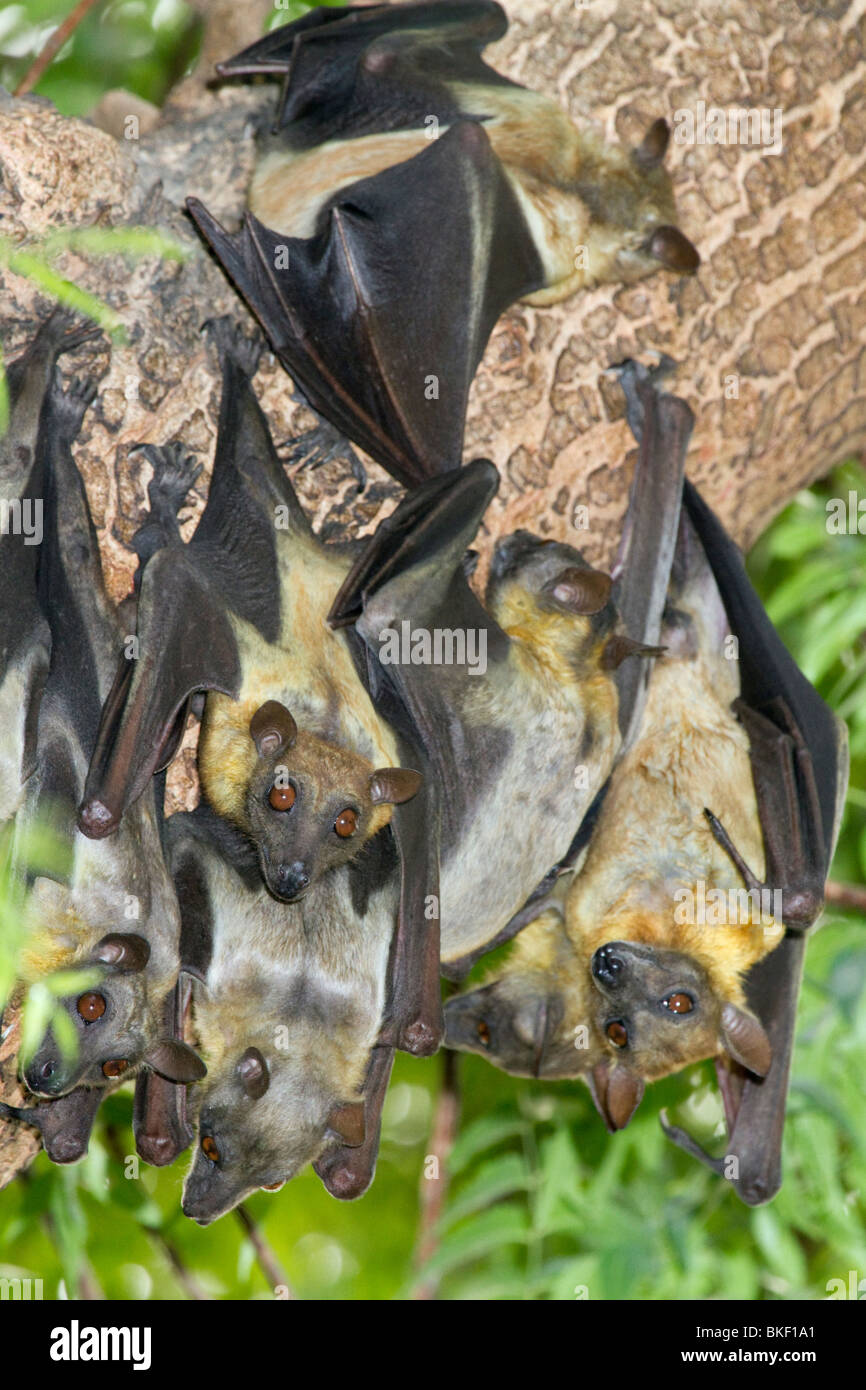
322	445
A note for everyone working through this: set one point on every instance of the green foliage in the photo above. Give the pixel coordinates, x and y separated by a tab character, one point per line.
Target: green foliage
144	46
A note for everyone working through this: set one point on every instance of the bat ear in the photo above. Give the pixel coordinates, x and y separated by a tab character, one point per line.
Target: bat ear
675	251
347	1122
272	728
176	1061
253	1072
650	153
391	786
580	590
617	1093
123	953
745	1040
619	647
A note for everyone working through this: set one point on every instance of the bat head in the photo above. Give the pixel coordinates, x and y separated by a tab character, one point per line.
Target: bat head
516	1023
657	1011
531	577
630	200
265	1113
112	1022
531	1019
310	805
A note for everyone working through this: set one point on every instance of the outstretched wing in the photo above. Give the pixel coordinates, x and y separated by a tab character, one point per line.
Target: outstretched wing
381	318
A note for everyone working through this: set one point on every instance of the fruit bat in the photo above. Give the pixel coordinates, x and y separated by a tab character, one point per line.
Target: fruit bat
287	1003
752	738
516	752
240	613
24	636
405	176
105	908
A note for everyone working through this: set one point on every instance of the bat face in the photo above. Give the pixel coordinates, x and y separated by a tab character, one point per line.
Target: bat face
514	1022
265	1114
547	570
311	805
658	1011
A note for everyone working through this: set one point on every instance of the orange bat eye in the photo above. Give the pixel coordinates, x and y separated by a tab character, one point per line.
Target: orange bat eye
282	798
209	1149
116	1067
90	1007
618	1034
679	1003
273	1186
346	824
483	1033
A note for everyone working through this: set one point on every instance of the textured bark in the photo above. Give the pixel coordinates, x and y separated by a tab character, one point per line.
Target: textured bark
778	305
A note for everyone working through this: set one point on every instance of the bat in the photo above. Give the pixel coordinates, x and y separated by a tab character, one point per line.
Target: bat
108	909
287	1001
239	613
503	744
400	163
24	636
669	991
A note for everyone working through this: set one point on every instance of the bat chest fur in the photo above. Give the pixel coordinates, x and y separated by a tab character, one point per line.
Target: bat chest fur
536	799
680	890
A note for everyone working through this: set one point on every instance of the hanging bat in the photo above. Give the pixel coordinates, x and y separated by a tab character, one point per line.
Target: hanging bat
667	990
109	908
288	1002
634	992
240	613
401	164
504	745
24	635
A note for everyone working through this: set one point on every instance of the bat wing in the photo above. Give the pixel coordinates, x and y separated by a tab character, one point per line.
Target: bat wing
25	637
347	1172
159	1117
65	1123
352	70
188	597
381	318
799	757
662	425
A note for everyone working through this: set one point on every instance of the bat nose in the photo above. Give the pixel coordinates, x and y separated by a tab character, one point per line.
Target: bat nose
290	880
607	967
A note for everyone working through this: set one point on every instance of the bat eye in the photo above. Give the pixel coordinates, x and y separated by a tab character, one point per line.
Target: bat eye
116	1067
483	1033
679	1003
618	1034
282	798
346	824
273	1186
90	1007
209	1149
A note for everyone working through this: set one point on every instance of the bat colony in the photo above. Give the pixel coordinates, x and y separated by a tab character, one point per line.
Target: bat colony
375	815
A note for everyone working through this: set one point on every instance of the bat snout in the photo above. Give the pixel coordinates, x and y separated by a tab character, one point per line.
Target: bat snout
289	881
609	966
46	1075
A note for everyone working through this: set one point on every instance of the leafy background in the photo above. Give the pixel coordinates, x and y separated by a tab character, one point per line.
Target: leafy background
541	1203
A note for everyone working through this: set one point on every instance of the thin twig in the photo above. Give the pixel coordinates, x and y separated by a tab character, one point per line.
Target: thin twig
268	1262
53	47
846	895
187	1281
433	1189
